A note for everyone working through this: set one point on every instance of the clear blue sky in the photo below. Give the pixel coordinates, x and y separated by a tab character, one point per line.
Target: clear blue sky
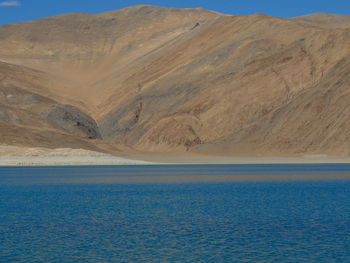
24	10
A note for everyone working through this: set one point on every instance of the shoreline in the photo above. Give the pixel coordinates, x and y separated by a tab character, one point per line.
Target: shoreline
20	161
32	157
37	156
44	161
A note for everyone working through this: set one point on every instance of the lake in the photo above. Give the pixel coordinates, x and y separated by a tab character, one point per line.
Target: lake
155	214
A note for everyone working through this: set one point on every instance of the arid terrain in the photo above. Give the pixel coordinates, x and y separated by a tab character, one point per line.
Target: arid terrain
163	80
36	156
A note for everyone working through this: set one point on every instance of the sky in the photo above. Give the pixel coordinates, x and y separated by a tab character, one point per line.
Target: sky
26	10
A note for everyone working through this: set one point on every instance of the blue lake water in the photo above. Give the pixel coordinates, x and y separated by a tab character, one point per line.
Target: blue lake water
71	214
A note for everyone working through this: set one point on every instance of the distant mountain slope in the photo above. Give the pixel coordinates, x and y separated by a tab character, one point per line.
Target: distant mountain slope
163	79
326	20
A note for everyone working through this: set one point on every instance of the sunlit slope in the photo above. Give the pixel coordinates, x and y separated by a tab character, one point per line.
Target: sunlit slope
161	79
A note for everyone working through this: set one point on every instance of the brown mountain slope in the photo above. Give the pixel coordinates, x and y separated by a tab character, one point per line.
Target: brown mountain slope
326	20
21	106
162	79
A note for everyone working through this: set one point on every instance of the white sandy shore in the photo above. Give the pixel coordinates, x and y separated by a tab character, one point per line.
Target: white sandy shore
25	156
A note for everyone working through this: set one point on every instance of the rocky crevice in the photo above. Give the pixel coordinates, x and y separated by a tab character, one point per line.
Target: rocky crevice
73	121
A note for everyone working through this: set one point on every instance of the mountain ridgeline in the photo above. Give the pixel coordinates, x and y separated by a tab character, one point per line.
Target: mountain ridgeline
159	79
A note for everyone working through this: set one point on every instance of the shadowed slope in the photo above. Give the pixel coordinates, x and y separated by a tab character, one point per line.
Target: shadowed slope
21	107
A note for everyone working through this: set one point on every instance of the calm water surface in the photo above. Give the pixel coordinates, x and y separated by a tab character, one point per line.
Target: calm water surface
46	216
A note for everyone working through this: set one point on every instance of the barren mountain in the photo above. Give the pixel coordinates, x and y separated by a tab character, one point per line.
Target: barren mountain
326	20
166	80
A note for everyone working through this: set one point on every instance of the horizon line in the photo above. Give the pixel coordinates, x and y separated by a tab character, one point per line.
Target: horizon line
184	8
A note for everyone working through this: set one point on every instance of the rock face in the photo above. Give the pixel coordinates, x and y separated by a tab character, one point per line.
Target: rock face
163	79
70	119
